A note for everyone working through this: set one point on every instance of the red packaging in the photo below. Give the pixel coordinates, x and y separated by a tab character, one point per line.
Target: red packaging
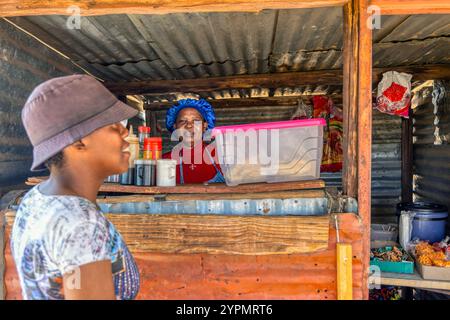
394	94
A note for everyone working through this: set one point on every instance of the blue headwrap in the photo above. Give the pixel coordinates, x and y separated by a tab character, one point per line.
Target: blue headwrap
201	106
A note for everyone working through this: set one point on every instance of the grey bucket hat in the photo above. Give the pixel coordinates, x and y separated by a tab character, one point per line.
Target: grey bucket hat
63	110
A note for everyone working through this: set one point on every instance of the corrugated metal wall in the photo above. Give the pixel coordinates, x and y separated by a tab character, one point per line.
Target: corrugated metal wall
431	160
24	63
386	166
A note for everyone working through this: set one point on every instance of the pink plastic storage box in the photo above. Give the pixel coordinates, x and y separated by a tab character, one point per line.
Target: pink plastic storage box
271	151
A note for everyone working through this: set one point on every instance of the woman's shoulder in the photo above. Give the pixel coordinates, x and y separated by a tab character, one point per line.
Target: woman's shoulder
51	208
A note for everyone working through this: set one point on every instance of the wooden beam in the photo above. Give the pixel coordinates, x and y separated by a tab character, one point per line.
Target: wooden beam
219	234
270	80
364	131
349	102
10	8
248	102
406	7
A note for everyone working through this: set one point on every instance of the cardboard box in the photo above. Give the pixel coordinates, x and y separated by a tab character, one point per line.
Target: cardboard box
433	273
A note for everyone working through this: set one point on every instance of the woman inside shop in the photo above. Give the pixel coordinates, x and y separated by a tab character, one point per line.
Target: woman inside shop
63	246
189	121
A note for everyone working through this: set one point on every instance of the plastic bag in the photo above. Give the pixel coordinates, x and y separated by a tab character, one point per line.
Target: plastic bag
405	228
303	111
394	94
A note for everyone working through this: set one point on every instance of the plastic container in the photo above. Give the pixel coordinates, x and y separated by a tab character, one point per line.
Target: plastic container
152	148
270	152
383	232
127	178
144	132
166	173
429	222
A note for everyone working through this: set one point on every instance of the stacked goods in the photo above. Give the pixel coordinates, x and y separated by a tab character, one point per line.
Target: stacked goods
392	259
393	254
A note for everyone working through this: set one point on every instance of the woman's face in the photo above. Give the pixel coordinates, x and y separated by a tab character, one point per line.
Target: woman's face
103	150
186	120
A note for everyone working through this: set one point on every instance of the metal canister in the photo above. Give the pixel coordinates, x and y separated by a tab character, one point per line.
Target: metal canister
115	178
145	172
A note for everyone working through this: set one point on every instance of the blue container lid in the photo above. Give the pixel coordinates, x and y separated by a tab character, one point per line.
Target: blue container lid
428	209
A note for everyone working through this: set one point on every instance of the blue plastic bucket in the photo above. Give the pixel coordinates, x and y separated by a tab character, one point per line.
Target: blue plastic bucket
429	222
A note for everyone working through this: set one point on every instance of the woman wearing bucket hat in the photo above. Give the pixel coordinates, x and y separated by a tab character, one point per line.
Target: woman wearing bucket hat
189	121
62	244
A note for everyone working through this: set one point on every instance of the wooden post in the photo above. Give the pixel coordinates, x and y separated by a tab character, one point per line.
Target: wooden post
357	102
349	101
364	131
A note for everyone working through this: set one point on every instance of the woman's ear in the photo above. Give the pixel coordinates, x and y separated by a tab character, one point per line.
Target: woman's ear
205	126
79	145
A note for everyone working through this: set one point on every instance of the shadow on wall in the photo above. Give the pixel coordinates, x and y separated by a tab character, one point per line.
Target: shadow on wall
24	63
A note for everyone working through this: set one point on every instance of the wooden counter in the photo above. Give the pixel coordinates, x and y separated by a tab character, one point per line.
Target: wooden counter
203	188
181	275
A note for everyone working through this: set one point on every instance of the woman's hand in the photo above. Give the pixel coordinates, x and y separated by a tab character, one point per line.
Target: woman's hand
92	281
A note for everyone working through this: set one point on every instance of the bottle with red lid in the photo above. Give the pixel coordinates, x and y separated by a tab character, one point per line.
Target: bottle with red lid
144	132
152	148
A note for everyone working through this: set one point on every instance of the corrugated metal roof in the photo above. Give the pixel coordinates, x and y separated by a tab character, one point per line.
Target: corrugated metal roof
195	45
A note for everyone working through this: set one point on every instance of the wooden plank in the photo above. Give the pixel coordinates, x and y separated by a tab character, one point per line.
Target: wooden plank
364	132
219	234
344	271
412	280
270	80
391	7
101	7
407	159
216	188
246	102
201	188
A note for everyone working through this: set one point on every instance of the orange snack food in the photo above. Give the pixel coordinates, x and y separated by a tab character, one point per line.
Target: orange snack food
426	255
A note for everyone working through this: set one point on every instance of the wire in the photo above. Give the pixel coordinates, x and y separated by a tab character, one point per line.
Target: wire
51	48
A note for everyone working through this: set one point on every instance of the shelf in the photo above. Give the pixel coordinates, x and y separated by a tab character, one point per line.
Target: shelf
412	280
216	188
